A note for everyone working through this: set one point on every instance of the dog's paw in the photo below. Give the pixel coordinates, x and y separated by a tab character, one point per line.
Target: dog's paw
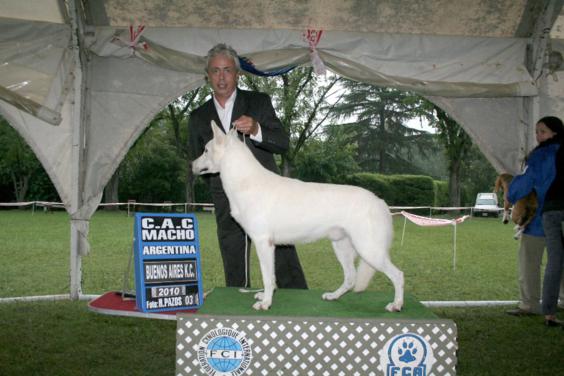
329	296
261	306
393	307
519	231
259	295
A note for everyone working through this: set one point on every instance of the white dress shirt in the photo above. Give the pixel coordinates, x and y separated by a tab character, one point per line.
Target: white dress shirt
226	112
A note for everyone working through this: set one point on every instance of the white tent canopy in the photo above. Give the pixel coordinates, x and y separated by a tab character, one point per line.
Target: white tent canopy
80	88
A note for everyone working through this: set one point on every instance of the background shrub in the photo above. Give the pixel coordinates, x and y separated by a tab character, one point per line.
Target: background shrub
403	190
375	183
441	193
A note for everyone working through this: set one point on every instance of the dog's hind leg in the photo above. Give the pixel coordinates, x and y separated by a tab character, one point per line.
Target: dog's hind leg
373	247
346	254
396	276
265	253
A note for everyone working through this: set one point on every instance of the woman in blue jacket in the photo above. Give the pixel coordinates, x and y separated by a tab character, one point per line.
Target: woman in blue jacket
540	174
531	250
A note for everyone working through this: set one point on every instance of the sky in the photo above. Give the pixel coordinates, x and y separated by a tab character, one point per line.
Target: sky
416	123
421	124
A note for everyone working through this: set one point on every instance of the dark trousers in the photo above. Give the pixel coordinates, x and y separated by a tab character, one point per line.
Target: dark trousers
236	259
553	224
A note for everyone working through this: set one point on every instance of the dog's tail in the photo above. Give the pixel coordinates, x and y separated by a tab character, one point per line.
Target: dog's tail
364	274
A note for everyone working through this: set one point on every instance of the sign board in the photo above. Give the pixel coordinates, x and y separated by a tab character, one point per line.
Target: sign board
167	262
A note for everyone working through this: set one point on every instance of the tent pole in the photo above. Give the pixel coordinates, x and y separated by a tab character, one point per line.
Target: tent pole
454	250
403	232
77	156
536	64
75	265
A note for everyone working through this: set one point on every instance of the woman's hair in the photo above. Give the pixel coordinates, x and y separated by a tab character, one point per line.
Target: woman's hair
222	49
554	124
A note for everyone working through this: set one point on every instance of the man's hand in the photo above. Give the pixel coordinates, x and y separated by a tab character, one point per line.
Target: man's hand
246	125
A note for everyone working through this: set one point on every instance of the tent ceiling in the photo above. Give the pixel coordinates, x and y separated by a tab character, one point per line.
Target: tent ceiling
486	18
491	18
479	18
33	10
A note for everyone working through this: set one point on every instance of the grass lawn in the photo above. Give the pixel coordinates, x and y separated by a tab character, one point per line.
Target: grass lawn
65	338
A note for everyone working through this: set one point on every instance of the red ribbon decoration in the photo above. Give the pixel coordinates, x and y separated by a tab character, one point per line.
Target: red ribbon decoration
313	37
134	36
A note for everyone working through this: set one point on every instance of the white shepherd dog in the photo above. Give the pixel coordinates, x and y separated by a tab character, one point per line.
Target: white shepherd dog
273	209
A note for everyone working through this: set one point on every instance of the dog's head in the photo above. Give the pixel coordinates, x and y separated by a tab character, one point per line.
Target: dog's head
210	160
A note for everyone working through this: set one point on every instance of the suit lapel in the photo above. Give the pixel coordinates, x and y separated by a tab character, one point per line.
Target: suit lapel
239	107
212	112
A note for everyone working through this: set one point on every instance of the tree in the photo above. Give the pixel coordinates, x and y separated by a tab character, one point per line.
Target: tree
165	136
377	117
152	170
303	101
477	175
457	145
176	114
20	168
327	158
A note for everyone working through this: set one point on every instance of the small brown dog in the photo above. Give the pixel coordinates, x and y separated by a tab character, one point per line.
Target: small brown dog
523	210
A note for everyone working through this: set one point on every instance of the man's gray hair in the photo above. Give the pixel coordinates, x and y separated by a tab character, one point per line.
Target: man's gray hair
222	49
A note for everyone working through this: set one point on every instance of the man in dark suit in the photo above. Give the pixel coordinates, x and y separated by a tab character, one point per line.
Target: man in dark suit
252	114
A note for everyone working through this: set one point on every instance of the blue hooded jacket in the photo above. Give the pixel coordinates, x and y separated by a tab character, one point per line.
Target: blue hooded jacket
538	175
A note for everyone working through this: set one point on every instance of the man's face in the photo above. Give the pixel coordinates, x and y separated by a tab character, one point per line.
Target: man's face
223	76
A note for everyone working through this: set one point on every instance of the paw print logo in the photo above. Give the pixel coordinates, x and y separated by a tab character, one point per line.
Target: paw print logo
407	354
407	350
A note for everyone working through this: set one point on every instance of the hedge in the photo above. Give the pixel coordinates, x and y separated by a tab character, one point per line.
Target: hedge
403	190
375	183
396	190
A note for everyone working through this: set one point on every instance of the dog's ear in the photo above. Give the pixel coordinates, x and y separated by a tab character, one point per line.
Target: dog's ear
233	133
218	135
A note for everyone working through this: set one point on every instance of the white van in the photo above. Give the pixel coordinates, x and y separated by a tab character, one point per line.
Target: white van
486	205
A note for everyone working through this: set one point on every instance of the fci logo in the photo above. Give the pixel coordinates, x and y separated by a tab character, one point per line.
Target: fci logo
224	351
407	355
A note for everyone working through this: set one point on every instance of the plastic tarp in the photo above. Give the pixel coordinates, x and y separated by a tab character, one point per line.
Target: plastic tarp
126	87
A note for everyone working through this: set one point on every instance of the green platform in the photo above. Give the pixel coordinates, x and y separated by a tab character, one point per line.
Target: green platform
308	303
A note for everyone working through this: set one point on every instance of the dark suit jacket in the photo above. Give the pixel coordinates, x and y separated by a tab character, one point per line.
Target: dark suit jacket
254	104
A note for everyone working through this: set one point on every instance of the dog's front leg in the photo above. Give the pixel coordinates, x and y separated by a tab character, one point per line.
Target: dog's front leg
265	253
505	219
